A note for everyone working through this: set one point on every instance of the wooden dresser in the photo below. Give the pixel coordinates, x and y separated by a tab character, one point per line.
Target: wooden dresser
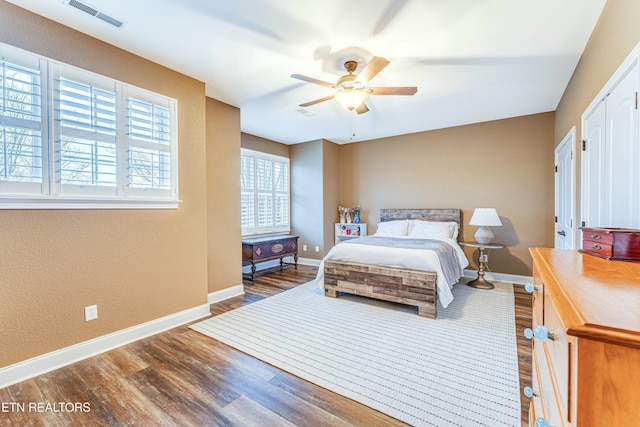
586	344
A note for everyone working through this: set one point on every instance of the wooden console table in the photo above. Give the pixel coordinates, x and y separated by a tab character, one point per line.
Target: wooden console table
260	249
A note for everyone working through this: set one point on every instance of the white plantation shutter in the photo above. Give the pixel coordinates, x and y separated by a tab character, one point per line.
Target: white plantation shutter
21	130
86	153
265	193
281	189
70	138
150	149
247	194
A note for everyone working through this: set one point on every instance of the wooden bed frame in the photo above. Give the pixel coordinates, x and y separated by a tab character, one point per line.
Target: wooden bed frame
405	286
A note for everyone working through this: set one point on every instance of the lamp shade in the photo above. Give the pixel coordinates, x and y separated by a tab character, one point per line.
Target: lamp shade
485	217
350	99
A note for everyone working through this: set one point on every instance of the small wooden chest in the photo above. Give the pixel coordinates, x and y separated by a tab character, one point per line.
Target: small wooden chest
612	243
259	249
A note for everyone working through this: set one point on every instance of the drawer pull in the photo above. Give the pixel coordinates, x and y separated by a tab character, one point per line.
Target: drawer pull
596	247
540	332
528	391
530	287
541	422
595	237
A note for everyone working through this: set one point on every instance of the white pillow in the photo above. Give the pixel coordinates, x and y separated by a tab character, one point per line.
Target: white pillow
429	229
393	228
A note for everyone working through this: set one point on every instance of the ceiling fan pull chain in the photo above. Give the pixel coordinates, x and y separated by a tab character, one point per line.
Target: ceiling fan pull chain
353	124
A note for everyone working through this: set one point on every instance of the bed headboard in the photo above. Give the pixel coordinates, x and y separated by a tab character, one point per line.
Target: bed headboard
441	215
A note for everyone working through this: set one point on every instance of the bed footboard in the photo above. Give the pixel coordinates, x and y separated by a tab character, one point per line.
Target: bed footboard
411	287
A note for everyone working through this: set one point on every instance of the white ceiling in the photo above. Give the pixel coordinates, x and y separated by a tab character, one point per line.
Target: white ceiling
472	60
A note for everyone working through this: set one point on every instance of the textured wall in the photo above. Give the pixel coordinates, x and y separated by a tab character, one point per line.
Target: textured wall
307	218
223	196
136	265
256	143
330	190
506	164
614	37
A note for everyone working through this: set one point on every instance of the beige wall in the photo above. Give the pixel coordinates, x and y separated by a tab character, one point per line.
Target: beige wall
256	143
136	265
506	164
330	191
615	36
613	39
223	196
307	220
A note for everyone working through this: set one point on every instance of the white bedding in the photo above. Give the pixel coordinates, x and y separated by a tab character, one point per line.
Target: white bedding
417	259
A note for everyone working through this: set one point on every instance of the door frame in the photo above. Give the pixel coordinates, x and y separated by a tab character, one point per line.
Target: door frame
570	138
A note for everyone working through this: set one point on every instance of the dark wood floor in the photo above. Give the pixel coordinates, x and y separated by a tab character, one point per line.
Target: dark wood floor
183	378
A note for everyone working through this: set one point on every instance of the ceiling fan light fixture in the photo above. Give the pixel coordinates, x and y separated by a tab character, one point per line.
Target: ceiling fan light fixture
350	99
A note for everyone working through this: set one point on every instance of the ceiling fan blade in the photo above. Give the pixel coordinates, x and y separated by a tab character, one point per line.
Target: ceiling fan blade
362	108
317	101
399	90
374	66
312	80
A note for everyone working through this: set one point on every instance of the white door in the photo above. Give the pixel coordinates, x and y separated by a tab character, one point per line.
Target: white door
593	167
610	158
622	134
564	192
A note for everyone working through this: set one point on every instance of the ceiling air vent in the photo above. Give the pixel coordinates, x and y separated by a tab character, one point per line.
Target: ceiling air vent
96	13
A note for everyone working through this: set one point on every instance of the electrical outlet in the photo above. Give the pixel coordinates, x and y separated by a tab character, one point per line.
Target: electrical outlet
90	313
304	248
317	248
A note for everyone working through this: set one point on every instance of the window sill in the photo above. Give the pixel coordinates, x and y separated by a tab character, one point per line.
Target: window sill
85	203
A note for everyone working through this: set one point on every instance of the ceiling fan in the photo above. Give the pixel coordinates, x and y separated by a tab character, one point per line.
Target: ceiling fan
351	90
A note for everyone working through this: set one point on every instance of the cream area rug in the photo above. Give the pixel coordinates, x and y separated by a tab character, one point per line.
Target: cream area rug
458	370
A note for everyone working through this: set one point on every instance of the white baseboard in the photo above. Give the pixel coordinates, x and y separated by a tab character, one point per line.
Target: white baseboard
57	359
309	261
265	265
499	277
224	294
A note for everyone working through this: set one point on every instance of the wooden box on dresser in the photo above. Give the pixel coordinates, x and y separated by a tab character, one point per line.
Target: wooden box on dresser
587	372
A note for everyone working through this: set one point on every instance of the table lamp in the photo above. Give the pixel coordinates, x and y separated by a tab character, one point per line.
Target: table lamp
485	218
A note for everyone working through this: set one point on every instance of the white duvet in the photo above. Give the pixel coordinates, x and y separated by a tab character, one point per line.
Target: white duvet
417	259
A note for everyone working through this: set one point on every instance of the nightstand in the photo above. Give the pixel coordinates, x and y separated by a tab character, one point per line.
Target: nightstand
349	231
483	262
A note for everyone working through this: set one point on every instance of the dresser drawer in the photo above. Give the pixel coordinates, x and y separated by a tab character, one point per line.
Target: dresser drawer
538	298
597	248
559	357
546	402
596	236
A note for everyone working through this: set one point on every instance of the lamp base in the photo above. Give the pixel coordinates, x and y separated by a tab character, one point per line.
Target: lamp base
484	235
480	283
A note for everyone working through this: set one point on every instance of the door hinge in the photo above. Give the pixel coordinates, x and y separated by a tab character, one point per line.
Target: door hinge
555	219
584	224
584	145
556	168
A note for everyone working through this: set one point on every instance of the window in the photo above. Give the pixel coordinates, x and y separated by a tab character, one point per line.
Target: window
21	128
70	138
264	182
